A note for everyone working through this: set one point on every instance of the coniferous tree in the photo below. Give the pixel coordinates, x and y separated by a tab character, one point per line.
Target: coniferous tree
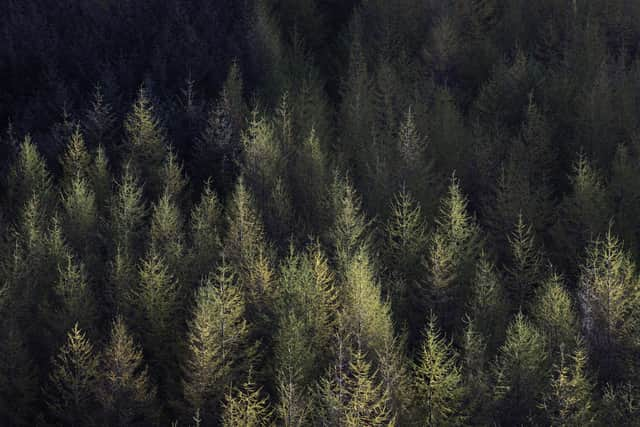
453	248
127	215
554	313
125	392
439	389
569	401
607	291
217	343
247	407
71	396
406	239
166	233
76	160
29	177
76	303
145	145
525	269
100	119
206	227
80	216
520	373
100	178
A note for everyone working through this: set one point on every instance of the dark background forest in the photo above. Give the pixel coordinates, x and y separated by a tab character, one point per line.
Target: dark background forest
319	212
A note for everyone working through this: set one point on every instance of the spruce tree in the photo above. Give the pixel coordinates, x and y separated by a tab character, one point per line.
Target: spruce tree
206	228
569	400
75	301
125	392
247	407
607	291
128	214
71	394
217	343
439	389
100	178
167	234
520	373
76	161
29	177
80	216
525	267
453	249
145	145
406	243
554	313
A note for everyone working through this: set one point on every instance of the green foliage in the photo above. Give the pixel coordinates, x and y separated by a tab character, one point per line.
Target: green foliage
608	288
206	233
525	269
452	252
554	313
127	214
146	144
76	303
569	401
439	389
247	407
80	215
488	308
217	343
29	177
520	373
125	392
73	379
76	161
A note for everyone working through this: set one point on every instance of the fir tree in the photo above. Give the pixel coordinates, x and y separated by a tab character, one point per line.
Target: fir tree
453	248
206	233
166	233
125	392
607	289
488	308
525	269
76	303
247	407
569	401
554	313
29	177
406	243
217	343
146	144
127	214
80	215
71	395
520	373
439	388
76	161
100	178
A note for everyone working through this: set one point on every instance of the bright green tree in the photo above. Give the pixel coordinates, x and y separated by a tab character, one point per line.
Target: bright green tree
247	407
146	146
439	388
520	373
569	400
125	392
453	248
217	343
71	394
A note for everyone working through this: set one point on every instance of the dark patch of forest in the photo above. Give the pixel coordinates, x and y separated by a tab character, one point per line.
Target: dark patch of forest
319	212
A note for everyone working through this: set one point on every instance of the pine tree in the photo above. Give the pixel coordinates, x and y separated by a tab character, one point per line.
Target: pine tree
100	178
439	388
569	401
146	146
75	301
125	392
525	269
206	233
453	248
29	177
488	308
156	304
100	119
247	407
127	214
80	215
607	289
294	361
166	233
175	182
366	315
71	395
368	402
350	230
520	373
217	343
554	313
406	243
76	161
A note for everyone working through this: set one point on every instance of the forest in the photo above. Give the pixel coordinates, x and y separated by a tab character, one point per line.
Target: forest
319	213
